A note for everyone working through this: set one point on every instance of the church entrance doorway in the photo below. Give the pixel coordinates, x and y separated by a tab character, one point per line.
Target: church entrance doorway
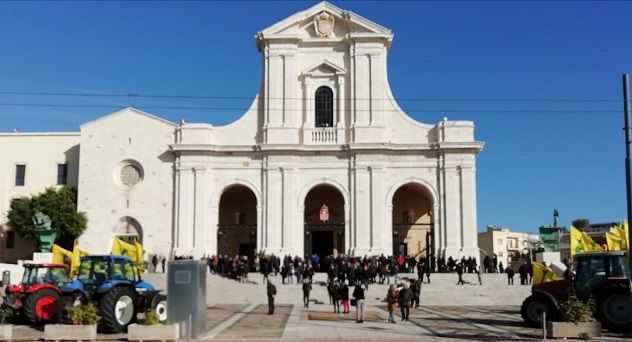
412	221
324	221
237	228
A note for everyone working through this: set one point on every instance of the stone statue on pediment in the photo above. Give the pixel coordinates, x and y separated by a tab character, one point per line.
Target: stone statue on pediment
324	24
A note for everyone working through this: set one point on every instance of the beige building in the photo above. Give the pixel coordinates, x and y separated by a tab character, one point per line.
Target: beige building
30	163
507	245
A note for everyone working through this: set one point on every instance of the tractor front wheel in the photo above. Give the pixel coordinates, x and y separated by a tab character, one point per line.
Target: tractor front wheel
159	303
42	306
533	307
118	309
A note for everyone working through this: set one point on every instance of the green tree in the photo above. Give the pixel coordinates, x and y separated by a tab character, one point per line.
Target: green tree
581	223
59	204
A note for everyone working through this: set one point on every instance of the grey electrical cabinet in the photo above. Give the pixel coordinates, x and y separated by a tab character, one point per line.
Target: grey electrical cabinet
186	290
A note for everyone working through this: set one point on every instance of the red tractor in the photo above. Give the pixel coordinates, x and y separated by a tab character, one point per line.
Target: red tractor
37	296
604	276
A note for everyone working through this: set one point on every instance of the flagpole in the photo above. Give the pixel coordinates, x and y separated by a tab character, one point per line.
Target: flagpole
628	160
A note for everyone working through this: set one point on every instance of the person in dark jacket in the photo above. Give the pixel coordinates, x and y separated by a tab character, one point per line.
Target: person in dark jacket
358	295
459	272
404	299
391	301
416	288
344	296
510	275
271	294
307	287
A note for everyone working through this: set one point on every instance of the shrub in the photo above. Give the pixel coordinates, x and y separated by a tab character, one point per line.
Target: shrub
84	314
151	317
574	310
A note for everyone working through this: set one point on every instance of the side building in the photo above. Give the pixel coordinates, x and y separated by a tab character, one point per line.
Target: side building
511	248
30	163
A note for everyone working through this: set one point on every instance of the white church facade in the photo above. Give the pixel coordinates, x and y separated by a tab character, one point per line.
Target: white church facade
324	160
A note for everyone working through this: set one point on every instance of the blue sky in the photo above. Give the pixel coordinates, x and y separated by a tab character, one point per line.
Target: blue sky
539	155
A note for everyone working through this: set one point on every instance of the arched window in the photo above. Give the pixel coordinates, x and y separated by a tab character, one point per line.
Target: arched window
324	107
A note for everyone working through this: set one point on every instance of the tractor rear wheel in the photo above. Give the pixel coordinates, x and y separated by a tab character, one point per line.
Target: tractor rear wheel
533	307
118	309
615	311
159	303
42	306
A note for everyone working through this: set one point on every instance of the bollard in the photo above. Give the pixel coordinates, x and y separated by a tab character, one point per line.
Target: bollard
6	278
544	325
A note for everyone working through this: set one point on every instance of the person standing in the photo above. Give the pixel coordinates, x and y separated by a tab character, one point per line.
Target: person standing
307	287
163	264
272	291
510	275
416	288
391	300
344	296
405	297
358	295
154	262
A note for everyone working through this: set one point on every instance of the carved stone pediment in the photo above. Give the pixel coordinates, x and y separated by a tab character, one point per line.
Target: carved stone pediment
324	24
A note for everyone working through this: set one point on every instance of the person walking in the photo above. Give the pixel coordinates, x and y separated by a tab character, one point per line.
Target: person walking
358	296
510	275
335	293
272	291
391	301
416	288
344	296
163	264
154	262
307	287
404	299
459	272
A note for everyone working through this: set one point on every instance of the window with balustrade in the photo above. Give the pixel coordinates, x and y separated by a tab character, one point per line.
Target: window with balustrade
324	107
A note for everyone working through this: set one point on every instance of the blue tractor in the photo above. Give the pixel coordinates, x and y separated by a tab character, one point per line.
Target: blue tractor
113	282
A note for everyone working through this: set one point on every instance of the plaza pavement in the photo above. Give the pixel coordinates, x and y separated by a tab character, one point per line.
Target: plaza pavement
449	312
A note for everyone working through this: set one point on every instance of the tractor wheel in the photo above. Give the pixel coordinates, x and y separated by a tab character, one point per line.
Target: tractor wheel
118	309
159	303
615	311
533	307
42	306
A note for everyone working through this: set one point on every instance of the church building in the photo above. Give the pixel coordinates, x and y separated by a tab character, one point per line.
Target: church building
324	161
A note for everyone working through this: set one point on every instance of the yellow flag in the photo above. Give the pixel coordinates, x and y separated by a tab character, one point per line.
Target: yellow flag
542	274
120	247
61	255
577	242
140	253
615	242
589	244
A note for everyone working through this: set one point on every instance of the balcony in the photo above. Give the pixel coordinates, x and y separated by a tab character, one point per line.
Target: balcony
321	135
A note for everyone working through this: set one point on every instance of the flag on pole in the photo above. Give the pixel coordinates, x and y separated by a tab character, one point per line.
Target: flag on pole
542	273
615	242
577	242
589	244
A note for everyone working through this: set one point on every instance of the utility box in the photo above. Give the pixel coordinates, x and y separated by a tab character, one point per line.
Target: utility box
186	290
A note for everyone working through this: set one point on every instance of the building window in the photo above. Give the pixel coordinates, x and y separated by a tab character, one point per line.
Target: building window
513	243
500	254
500	241
20	174
130	175
62	174
10	243
324	107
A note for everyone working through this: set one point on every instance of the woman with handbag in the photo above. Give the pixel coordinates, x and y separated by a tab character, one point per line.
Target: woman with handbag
358	295
391	300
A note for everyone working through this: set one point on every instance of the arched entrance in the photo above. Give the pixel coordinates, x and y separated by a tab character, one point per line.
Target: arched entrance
413	224
324	218
129	230
237	227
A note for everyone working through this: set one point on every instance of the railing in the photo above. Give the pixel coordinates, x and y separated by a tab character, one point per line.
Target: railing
325	135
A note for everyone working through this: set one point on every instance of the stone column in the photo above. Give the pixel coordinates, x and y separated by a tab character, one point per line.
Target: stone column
274	208
348	244
377	210
388	231
362	210
290	229
184	238
260	237
453	223
200	239
469	228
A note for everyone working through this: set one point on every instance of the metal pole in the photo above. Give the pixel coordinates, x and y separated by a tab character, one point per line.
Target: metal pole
544	325
628	160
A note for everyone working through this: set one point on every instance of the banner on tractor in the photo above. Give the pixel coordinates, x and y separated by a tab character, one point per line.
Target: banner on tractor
64	256
581	242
